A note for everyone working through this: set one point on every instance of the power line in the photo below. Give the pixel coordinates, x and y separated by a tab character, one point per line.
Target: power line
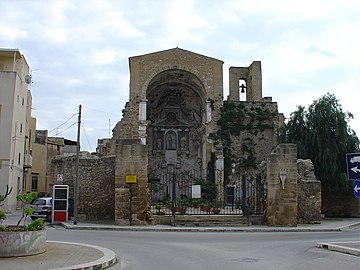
86	137
63	123
58	133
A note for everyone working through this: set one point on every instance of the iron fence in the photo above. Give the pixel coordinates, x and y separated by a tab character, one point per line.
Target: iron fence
176	195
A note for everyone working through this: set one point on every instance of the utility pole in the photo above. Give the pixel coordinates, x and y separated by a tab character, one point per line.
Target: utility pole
77	168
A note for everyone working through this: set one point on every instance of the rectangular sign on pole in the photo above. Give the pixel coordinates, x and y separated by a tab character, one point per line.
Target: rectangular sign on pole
353	166
130	179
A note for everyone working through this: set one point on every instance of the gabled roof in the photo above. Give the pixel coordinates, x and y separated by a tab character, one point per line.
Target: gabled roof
179	51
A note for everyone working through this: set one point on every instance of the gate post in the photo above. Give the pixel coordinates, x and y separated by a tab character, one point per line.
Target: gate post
244	201
173	182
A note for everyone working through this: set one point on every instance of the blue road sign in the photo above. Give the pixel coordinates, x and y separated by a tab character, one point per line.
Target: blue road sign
353	166
356	188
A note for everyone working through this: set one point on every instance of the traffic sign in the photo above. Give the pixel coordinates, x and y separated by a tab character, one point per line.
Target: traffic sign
356	188
353	166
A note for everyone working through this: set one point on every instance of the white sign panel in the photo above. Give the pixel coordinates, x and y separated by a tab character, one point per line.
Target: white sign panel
196	191
60	177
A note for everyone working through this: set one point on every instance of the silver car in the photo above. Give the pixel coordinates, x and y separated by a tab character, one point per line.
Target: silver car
42	208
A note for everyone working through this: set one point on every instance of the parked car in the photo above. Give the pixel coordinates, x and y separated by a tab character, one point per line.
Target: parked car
42	208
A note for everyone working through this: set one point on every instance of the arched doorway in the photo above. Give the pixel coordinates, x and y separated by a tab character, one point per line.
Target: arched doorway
176	133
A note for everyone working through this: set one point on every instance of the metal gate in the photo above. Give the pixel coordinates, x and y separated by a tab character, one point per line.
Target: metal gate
178	194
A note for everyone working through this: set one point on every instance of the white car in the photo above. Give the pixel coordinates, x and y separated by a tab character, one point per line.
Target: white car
42	208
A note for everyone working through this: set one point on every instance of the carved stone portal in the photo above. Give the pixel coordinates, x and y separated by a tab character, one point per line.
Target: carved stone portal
176	111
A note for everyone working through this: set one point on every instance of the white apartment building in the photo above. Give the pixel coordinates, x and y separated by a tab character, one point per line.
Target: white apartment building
14	110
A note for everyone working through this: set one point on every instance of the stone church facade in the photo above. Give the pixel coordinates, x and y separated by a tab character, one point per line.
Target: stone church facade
175	97
170	126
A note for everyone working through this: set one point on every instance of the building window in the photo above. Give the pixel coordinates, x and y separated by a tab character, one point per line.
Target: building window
23	102
34	183
20	128
24	182
19	158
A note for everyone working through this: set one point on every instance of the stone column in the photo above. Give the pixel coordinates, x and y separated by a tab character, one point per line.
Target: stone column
131	159
219	177
281	209
142	121
254	82
208	112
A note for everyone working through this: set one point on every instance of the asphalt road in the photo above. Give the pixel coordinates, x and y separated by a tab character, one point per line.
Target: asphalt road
181	250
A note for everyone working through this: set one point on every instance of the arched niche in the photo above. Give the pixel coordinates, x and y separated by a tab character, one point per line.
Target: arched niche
176	114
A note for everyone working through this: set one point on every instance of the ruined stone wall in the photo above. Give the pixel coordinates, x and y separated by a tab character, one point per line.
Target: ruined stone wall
254	85
281	209
206	74
257	136
309	194
144	68
95	184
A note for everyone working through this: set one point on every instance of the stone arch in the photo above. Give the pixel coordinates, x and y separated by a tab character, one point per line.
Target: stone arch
163	69
176	113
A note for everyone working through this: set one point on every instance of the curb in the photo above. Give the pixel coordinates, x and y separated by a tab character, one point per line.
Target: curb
339	247
350	226
207	229
106	261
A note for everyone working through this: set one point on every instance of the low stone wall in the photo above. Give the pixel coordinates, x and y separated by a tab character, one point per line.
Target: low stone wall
22	243
340	204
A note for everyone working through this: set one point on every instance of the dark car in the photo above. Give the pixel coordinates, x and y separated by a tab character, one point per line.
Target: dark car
42	208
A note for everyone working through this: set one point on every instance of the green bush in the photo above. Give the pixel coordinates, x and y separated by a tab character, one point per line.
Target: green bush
2	216
36	225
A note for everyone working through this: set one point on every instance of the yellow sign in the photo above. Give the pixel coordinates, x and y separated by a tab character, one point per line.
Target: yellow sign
130	179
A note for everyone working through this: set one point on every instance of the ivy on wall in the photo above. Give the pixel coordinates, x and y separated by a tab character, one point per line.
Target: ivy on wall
236	118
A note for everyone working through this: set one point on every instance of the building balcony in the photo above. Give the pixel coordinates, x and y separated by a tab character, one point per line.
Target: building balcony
27	161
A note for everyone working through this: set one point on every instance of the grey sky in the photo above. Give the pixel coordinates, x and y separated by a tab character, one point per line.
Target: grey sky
78	51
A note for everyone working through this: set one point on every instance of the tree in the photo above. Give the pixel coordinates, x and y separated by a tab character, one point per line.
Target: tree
322	133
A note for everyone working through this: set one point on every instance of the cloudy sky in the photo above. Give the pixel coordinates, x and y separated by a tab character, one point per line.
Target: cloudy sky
78	51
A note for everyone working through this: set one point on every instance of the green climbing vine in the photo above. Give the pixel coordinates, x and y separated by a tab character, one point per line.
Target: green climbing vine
235	118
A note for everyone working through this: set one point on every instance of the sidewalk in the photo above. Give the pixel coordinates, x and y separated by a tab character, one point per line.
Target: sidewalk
66	256
327	225
63	256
